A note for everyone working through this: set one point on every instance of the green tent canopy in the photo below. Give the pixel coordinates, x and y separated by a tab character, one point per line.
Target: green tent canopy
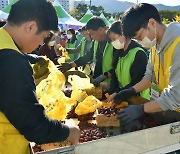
111	20
60	11
105	20
3	15
86	17
7	8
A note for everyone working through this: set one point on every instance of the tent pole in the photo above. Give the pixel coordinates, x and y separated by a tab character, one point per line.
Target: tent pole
90	4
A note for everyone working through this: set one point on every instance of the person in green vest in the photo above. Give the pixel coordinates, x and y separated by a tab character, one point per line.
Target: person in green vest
143	22
84	45
100	53
129	62
72	42
82	48
79	35
22	117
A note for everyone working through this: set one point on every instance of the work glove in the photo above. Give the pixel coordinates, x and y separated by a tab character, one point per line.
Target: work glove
132	126
131	113
65	67
124	95
99	79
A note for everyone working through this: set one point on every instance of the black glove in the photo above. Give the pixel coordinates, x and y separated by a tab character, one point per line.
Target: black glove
99	79
131	113
65	67
132	126
124	95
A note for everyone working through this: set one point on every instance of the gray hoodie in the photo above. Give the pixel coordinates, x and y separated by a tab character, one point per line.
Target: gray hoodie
170	97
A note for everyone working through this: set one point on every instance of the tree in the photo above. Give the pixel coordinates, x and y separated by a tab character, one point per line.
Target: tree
97	10
80	10
75	14
117	16
168	14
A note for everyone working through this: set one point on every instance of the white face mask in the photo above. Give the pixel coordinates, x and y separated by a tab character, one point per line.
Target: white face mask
117	44
69	36
51	43
147	43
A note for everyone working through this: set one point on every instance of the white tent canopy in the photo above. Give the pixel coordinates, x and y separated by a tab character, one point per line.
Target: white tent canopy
104	19
3	15
89	12
111	20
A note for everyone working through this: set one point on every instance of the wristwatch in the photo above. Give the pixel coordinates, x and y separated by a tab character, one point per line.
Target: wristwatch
106	74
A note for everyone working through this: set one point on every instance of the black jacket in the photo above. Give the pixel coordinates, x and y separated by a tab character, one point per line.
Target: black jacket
19	103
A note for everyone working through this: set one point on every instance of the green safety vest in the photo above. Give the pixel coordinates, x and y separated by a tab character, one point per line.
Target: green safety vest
83	43
71	46
107	57
123	70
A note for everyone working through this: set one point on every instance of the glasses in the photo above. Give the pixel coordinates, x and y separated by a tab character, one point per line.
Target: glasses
139	34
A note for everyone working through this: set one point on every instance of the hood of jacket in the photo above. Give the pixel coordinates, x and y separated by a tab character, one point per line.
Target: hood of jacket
170	34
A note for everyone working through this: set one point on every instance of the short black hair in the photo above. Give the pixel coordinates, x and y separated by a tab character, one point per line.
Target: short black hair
116	28
80	30
47	39
137	17
41	11
95	23
83	29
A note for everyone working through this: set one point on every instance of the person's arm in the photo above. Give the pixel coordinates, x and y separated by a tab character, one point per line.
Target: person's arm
152	107
114	84
129	92
76	50
149	73
148	78
126	115
137	72
170	96
137	69
20	104
82	61
88	57
102	78
142	85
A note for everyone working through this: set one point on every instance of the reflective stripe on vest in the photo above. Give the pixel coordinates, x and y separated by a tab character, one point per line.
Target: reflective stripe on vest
162	74
11	141
107	57
71	46
123	70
